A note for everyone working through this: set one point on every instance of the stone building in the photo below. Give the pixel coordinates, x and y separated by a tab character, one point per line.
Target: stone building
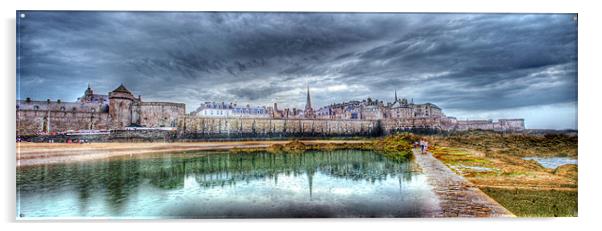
373	110
367	109
402	114
116	110
351	110
402	109
90	97
223	110
308	113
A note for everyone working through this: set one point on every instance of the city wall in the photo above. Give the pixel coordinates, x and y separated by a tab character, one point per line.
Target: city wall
198	127
448	124
159	114
31	122
500	125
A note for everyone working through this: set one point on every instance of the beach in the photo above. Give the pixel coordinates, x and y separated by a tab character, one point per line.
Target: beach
29	154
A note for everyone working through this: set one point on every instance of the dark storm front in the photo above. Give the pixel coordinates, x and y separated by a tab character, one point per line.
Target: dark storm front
202	185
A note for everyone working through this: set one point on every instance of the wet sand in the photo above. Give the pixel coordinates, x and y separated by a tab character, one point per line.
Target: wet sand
50	153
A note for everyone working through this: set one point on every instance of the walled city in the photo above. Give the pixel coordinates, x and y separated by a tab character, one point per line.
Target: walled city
121	110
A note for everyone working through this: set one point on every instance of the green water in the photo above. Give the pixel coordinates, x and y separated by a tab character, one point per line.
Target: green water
202	185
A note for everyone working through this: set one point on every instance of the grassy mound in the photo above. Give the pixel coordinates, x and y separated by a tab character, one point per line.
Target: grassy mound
567	170
396	147
516	144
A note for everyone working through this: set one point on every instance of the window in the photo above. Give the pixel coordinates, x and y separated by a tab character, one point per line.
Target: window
63	108
36	107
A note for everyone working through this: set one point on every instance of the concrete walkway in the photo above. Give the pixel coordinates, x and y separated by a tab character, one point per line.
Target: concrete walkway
457	196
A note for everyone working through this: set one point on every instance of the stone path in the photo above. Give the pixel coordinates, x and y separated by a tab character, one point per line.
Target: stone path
457	196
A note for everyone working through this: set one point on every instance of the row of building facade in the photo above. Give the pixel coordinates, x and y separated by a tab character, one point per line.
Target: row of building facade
367	109
120	109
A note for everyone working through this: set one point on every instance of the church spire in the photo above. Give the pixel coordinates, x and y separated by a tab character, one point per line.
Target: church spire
395	95
308	102
309	111
88	90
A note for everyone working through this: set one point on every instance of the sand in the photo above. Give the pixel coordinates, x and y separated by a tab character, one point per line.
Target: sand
29	154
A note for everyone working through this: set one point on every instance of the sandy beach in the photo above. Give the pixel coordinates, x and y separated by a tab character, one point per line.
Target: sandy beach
29	154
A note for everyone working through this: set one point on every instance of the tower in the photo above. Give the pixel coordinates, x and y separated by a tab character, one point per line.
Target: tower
309	111
88	95
88	91
121	103
395	95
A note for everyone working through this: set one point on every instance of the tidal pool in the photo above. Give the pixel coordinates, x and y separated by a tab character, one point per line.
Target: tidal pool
552	162
220	185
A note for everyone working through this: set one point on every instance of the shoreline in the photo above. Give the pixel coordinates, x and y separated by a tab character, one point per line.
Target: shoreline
31	154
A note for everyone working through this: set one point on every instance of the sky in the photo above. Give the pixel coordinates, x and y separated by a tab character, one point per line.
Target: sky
473	66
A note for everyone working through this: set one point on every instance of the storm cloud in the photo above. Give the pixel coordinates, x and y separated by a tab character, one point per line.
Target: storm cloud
472	65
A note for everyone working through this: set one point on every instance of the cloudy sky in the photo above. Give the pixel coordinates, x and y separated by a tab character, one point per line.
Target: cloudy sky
474	66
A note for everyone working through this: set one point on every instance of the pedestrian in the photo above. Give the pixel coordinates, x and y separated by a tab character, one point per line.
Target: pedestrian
426	146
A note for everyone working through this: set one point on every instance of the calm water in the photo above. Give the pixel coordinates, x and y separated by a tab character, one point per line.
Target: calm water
552	162
197	185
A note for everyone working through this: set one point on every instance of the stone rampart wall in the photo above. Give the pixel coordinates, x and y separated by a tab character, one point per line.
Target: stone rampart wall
199	127
159	114
35	121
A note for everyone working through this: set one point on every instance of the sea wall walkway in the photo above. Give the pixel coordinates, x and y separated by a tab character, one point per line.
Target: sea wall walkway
457	196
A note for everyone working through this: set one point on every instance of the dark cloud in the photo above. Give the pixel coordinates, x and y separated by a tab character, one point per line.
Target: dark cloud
255	92
462	62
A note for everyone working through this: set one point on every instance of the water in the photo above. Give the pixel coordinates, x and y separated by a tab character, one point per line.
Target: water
202	185
552	162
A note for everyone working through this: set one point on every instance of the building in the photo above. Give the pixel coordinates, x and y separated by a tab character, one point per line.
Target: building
308	113
116	110
402	109
223	110
90	97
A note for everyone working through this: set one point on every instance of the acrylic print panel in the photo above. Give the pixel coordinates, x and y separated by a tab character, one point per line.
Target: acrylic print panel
153	115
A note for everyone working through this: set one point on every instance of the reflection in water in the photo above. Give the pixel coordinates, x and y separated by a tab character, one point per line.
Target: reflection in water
313	184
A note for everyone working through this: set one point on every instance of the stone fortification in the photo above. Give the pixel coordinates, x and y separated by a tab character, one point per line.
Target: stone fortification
120	110
193	126
95	112
31	122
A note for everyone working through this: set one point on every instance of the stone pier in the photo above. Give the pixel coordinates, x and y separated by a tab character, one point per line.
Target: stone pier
457	196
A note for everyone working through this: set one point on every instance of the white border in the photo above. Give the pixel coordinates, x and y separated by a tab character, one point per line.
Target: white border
589	97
